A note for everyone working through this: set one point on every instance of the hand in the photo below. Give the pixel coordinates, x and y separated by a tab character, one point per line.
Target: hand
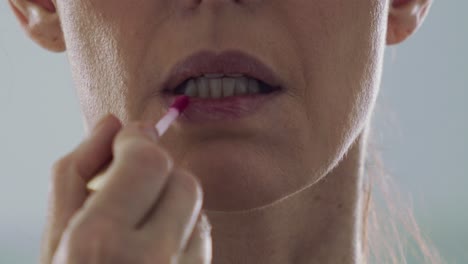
146	212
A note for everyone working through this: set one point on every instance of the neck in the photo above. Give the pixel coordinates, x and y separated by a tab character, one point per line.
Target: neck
321	224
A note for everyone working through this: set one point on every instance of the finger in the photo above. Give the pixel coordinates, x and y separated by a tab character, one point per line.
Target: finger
176	213
89	158
68	187
199	248
134	180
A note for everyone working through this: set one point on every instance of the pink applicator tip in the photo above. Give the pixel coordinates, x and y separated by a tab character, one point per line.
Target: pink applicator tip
177	107
181	103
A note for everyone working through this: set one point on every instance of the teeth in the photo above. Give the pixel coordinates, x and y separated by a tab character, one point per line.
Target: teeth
213	86
253	87
241	86
191	89
216	86
203	88
229	84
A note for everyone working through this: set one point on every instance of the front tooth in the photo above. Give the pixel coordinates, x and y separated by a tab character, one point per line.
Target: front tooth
214	75
254	86
216	88
203	88
229	84
191	89
241	86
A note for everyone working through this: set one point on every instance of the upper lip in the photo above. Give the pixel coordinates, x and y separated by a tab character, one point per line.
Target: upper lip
227	62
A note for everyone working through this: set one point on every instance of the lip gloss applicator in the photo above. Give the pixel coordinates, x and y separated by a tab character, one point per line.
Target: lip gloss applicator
175	110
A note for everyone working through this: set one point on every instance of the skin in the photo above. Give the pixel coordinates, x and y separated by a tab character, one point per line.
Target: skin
296	195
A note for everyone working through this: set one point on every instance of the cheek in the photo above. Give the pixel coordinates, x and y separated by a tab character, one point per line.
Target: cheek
104	51
343	44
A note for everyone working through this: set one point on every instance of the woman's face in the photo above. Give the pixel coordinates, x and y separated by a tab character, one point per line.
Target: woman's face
328	55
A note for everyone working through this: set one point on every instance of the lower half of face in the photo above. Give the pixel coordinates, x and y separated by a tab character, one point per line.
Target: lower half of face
327	54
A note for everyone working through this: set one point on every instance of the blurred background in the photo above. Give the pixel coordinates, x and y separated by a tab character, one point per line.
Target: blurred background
421	127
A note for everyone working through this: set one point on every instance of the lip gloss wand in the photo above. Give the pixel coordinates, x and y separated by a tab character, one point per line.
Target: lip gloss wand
175	110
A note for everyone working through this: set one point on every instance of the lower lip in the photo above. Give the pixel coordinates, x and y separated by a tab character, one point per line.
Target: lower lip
209	110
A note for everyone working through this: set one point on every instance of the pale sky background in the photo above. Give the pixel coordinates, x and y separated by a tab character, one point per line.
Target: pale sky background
423	133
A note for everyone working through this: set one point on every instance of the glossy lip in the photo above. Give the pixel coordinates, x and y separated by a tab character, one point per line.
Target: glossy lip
210	110
227	62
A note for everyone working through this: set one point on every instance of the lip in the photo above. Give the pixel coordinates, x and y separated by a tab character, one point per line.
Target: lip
203	110
208	110
227	62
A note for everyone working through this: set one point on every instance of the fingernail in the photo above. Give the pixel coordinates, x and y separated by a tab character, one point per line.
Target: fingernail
150	132
205	225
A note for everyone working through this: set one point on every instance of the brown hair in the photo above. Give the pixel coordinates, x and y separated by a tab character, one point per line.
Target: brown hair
390	231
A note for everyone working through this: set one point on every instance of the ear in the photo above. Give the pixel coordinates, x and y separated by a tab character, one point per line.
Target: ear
405	17
40	21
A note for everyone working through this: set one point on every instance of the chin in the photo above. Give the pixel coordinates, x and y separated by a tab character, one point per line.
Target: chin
239	177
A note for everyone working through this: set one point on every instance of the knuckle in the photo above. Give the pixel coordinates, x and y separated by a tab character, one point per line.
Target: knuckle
61	167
